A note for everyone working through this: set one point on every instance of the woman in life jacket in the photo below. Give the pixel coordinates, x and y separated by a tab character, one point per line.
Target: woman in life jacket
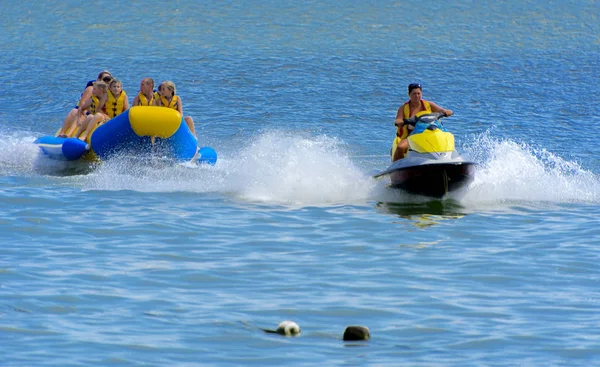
95	106
168	98
76	116
414	105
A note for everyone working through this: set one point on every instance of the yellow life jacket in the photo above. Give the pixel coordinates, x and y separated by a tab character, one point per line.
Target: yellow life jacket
402	131
115	106
143	101
174	104
95	104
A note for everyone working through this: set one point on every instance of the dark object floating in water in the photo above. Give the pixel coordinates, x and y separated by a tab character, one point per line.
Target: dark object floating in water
353	333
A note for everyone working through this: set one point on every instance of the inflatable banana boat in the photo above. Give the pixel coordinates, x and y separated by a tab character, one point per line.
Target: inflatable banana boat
141	130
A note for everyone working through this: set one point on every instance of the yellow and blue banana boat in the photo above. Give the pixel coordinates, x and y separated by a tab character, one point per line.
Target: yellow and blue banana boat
140	130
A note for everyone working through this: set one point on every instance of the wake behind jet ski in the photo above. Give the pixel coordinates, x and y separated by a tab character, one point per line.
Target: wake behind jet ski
431	167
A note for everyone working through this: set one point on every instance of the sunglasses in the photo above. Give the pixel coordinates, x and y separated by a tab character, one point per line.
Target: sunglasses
107	79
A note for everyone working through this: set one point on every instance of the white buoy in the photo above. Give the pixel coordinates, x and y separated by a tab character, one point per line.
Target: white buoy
286	328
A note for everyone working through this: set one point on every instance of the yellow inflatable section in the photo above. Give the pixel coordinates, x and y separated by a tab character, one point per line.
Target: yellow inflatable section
154	121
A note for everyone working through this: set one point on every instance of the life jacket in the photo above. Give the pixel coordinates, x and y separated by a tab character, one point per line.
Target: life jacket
174	104
94	106
143	101
115	106
402	131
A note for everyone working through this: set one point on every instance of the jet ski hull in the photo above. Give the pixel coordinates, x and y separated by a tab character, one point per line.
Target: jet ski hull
435	180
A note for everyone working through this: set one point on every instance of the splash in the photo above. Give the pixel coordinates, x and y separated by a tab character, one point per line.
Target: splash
288	169
274	168
282	168
511	171
18	154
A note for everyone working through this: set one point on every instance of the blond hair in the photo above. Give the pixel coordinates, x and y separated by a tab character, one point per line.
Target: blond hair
114	81
169	84
100	84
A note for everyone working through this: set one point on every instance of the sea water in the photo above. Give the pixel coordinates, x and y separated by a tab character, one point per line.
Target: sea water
137	264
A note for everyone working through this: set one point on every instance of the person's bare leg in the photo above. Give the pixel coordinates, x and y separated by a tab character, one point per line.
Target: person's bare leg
190	123
74	126
83	126
92	124
401	150
68	122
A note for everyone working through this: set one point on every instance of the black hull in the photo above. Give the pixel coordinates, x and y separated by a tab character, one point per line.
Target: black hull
435	180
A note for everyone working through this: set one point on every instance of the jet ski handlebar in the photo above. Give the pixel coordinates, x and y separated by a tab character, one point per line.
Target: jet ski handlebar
430	117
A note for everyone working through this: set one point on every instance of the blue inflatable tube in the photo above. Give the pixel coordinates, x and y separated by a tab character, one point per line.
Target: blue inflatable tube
64	149
118	137
207	155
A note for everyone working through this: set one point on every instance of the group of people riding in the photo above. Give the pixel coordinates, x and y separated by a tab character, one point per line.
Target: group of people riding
104	98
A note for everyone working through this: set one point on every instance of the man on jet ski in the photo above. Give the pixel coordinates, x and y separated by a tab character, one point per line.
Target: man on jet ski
409	109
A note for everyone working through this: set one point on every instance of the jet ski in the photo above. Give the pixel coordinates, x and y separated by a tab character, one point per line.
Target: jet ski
431	167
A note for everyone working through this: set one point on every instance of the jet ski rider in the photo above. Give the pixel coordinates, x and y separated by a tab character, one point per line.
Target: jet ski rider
409	109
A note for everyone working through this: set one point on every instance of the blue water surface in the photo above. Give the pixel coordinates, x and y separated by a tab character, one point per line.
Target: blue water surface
139	263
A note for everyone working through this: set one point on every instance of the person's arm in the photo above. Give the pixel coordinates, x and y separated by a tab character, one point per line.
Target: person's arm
179	106
86	96
102	101
436	108
101	106
136	100
85	105
125	102
399	116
